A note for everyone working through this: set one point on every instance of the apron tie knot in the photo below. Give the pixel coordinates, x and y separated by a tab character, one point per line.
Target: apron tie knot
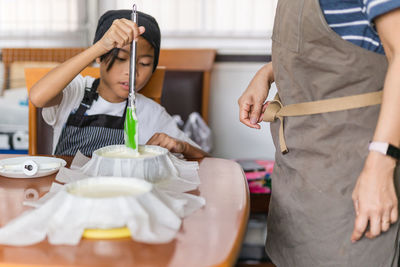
272	112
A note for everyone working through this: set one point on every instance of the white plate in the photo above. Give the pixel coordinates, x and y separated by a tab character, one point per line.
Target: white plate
13	167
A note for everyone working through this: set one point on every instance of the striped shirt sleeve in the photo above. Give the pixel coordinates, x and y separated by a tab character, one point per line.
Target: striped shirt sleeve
353	20
375	8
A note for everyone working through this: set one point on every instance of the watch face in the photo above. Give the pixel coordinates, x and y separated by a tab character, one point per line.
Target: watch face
380	147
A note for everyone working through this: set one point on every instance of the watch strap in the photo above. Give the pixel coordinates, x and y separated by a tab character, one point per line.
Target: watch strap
393	151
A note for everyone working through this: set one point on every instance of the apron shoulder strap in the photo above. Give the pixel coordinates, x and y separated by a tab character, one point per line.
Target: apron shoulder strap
89	96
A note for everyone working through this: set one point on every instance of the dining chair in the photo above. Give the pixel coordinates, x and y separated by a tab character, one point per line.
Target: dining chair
187	77
41	134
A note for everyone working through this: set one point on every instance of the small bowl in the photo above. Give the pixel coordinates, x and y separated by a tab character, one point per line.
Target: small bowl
109	187
118	160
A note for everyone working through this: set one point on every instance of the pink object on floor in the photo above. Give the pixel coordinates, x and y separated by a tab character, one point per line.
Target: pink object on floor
255	175
258	187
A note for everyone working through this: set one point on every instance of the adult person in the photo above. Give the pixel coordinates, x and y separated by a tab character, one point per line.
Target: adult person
334	202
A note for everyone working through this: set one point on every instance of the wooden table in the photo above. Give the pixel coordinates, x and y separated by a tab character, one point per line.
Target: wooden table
211	236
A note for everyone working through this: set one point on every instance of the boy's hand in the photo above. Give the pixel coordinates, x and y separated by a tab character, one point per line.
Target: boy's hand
166	141
121	33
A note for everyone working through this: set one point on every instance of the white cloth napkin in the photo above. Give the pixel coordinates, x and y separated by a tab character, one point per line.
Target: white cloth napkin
63	217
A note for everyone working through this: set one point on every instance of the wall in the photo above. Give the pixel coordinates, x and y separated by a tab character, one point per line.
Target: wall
231	138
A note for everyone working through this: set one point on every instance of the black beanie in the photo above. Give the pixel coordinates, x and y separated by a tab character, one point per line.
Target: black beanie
152	33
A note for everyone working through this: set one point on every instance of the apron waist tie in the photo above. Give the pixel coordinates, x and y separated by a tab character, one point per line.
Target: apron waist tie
276	110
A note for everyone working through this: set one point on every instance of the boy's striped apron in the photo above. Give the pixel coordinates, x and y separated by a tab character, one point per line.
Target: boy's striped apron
87	133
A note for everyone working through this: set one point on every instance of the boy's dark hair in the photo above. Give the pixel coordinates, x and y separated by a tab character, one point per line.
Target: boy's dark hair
152	33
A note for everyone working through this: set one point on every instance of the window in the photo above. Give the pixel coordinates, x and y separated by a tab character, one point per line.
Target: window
42	23
225	24
231	26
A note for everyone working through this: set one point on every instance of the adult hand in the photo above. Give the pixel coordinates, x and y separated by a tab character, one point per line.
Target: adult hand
374	197
251	103
121	33
168	142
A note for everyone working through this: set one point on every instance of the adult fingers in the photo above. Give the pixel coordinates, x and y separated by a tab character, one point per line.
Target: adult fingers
360	225
264	107
356	206
244	115
255	113
375	224
394	214
385	223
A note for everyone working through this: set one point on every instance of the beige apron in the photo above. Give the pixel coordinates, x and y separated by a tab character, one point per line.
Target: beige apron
311	211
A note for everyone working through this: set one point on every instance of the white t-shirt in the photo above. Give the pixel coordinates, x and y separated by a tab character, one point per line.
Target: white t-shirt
152	117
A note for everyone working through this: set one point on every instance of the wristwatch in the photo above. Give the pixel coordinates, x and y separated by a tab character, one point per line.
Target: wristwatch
385	149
